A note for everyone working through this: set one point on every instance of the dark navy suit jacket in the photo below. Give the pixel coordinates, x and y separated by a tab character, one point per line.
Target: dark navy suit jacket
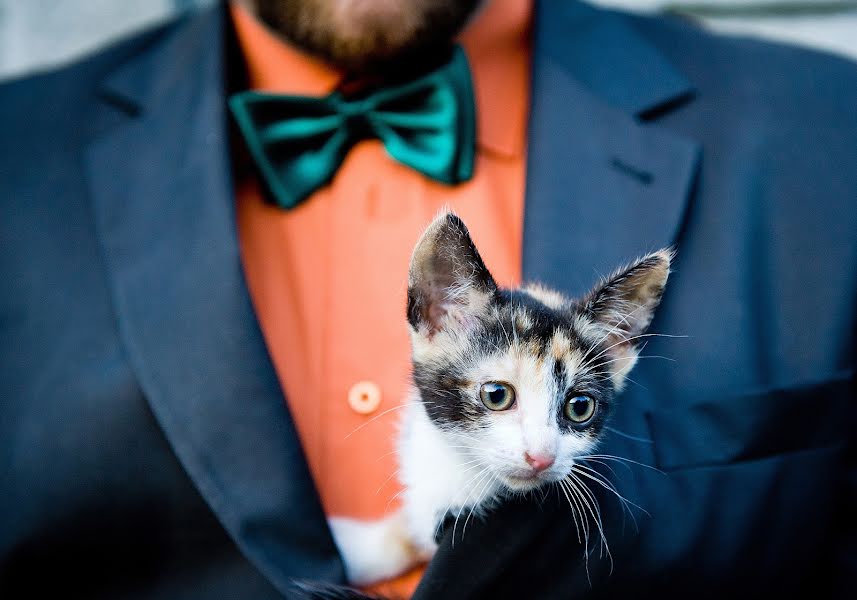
145	446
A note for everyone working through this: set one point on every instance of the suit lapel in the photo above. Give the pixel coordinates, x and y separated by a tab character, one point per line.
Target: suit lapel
163	203
605	183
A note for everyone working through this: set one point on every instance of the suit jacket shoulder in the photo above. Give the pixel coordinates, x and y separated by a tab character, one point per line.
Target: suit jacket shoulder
47	111
782	86
781	120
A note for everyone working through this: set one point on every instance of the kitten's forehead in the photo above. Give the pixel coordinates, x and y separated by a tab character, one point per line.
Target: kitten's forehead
546	296
542	322
530	323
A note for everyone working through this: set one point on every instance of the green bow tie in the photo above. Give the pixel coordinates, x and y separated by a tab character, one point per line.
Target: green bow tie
298	143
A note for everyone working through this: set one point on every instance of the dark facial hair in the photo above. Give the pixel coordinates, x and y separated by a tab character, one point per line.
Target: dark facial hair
368	36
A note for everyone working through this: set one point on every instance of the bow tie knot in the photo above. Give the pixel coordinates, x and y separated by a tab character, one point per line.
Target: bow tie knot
298	143
357	115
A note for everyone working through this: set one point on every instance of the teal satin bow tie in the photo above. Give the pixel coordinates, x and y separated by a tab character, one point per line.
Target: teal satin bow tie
298	143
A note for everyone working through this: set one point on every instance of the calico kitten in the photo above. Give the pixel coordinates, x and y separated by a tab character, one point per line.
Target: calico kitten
511	388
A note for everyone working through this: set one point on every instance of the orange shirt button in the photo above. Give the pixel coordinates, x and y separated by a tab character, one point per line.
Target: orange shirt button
364	397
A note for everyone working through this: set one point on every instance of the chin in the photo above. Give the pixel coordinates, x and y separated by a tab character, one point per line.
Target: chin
526	483
367	35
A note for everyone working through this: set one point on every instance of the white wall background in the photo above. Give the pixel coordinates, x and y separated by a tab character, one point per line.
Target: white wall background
41	33
829	25
38	34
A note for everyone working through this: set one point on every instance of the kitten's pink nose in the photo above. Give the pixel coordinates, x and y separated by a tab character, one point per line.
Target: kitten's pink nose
539	462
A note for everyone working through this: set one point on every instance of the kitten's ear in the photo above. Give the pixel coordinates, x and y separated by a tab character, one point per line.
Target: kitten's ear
448	284
623	305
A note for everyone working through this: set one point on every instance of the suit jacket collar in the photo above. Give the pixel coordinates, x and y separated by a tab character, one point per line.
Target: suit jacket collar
604	52
164	208
605	182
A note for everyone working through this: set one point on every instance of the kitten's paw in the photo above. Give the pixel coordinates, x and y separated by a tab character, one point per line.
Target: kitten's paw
374	550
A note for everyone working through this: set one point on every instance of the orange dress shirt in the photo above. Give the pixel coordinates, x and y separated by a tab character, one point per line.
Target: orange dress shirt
328	279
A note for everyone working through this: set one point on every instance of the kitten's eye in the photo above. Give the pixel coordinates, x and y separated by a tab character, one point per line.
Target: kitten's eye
497	395
579	408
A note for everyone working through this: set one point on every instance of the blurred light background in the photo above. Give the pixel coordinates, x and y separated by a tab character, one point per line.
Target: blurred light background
37	34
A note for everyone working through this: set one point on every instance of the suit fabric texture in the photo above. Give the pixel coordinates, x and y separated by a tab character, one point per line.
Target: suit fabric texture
147	451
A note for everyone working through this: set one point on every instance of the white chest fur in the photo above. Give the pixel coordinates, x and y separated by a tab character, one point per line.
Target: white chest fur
440	476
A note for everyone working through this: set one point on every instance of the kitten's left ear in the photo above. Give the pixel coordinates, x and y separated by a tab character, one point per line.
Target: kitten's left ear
623	306
448	284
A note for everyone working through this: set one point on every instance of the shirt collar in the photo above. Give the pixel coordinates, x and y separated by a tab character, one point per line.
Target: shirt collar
497	44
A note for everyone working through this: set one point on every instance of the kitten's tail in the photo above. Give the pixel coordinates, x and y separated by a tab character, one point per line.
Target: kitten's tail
313	590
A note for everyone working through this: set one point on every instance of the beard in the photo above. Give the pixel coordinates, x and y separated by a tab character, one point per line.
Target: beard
368	36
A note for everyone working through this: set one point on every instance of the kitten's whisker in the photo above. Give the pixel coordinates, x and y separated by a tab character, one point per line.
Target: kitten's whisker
601	479
514	329
605	547
618	358
580	507
584	519
481	451
485	477
386	454
482	474
580	501
609	375
606	484
373	419
635	382
590	502
469	462
544	492
475	464
503	327
390	501
559	486
625	341
628	436
591	496
464	446
621	460
386	481
476	504
452	502
623	320
441	392
609	468
467	470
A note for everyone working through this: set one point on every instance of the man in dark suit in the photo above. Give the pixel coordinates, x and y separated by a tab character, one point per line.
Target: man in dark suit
148	450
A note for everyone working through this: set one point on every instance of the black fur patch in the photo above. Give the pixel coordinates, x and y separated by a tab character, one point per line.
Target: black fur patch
443	392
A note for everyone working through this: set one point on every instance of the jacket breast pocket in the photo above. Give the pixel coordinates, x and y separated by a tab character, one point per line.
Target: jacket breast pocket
754	425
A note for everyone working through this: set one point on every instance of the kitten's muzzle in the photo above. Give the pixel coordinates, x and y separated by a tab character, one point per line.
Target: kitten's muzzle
536	475
524	482
539	462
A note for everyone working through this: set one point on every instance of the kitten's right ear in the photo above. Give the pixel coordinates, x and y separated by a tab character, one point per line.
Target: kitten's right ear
448	283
